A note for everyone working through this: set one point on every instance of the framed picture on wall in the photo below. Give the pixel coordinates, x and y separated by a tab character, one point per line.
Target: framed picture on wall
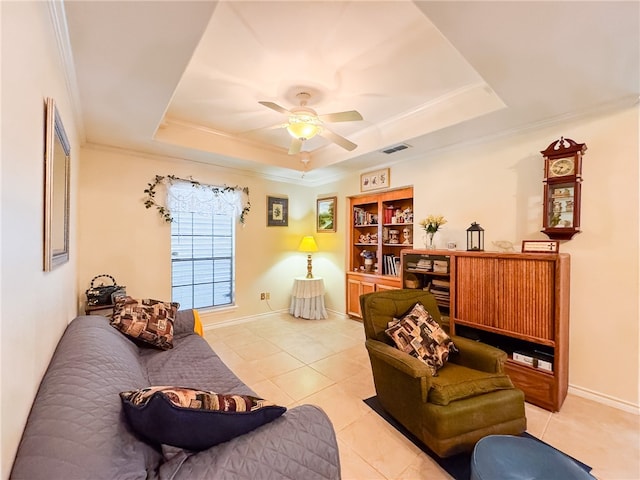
374	180
326	214
57	189
277	212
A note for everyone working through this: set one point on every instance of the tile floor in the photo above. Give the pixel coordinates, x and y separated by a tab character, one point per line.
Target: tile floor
324	362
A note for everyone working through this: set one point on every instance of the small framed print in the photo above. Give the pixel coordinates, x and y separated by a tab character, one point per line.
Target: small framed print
326	214
540	246
277	212
374	180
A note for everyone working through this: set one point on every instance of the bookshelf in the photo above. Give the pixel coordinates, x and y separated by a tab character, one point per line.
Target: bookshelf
429	270
380	226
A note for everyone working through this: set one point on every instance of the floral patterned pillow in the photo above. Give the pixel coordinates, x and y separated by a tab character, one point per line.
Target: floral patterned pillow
419	335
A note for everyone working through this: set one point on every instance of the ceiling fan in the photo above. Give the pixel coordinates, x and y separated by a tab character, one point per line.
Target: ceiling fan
304	123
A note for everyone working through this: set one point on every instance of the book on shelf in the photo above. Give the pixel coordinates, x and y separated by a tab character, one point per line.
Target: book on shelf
388	213
362	218
438	283
391	264
422	264
439	291
388	259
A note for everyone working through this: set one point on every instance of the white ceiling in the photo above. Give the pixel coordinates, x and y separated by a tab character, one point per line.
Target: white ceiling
184	78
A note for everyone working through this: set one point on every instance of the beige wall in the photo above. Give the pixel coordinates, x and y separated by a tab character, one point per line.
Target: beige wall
499	185
34	306
120	237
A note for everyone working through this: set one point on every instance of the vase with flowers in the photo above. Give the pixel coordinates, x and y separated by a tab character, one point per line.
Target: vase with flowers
431	225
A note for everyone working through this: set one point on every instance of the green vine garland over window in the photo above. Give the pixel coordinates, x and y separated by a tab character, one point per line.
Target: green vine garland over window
165	213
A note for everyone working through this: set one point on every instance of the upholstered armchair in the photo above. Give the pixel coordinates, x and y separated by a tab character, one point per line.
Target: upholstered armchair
469	398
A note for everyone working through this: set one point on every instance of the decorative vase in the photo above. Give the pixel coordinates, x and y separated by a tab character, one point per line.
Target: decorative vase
429	241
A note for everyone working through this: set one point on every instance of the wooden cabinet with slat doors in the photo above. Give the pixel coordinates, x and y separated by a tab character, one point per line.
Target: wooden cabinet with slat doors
518	302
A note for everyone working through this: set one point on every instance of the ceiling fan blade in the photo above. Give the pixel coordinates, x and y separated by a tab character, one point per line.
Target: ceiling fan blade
338	139
350	116
263	129
276	107
276	126
296	146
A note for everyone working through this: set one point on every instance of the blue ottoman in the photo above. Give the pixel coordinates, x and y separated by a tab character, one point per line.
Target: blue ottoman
508	457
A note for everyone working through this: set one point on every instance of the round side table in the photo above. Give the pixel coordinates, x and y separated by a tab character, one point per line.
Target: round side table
307	298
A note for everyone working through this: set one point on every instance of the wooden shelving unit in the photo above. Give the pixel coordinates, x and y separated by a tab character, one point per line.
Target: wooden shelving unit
516	302
373	230
429	270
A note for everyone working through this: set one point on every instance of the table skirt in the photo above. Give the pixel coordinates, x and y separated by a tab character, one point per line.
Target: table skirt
307	298
311	308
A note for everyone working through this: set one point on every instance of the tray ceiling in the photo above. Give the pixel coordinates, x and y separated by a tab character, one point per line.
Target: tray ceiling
184	78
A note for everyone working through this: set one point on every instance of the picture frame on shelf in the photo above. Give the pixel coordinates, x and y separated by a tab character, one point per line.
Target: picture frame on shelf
277	211
326	209
375	180
540	246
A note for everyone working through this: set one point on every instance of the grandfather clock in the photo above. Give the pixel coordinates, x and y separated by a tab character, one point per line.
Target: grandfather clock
562	184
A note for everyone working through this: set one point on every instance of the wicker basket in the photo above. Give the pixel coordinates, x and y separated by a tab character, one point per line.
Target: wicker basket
411	281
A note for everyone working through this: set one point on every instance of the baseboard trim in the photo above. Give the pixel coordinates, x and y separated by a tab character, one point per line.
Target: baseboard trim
239	321
338	314
605	399
250	318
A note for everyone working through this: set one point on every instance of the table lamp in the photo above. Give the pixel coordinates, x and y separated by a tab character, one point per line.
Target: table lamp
308	244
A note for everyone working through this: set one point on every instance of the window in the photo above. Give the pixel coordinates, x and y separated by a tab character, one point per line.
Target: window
202	249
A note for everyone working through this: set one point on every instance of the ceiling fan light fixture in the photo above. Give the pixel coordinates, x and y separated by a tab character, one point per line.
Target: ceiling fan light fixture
303	127
304	123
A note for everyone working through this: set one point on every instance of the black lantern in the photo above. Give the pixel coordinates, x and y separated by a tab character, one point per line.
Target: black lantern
475	238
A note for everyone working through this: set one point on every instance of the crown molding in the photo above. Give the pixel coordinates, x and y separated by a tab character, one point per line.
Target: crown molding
299	176
61	30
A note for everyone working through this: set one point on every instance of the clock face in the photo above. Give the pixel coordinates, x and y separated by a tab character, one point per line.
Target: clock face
561	167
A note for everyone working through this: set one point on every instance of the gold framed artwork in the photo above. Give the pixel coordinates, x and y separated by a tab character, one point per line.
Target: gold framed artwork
375	180
326	214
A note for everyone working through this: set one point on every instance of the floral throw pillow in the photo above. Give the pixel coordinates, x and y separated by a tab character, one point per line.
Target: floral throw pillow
419	335
194	419
147	320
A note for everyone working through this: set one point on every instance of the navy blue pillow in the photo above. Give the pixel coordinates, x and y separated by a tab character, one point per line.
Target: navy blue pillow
203	420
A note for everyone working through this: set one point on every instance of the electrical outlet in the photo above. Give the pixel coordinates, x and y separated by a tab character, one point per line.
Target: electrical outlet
268	294
263	296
